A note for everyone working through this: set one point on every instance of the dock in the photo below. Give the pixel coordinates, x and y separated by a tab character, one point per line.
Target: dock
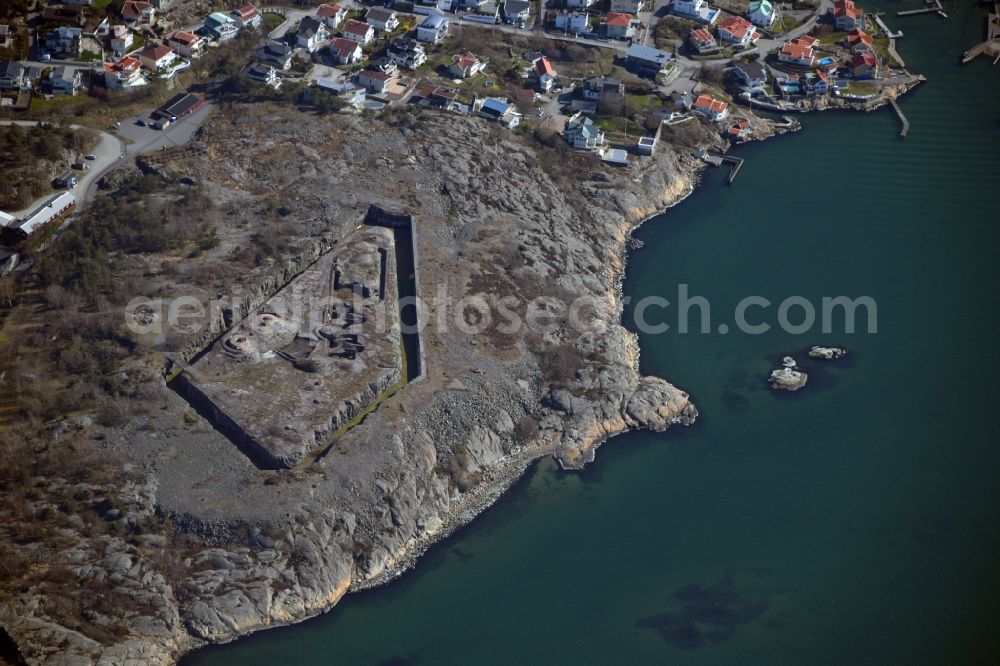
991	46
889	34
934	7
719	160
905	129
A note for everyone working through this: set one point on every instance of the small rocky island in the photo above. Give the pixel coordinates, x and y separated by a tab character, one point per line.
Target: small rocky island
788	377
827	353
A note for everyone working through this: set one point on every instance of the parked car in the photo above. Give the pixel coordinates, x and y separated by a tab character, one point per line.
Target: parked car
90	157
140	122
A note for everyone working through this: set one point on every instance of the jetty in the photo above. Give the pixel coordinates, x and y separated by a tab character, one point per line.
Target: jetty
932	7
991	46
889	34
905	129
718	160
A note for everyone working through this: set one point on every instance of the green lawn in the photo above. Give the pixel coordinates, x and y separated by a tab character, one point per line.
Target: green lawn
101	4
271	20
41	105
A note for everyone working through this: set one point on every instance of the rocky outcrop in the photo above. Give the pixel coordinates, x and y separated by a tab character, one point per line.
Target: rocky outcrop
788	377
827	353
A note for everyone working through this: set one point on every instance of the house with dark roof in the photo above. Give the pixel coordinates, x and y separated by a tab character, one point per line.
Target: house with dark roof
646	60
500	111
516	11
749	75
312	33
382	19
432	29
13	76
581	133
64	42
64	80
274	53
406	52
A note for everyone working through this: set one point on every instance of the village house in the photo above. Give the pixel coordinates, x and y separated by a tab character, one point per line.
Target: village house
603	88
696	10
406	52
374	80
156	57
246	16
359	31
627	6
740	130
432	29
221	26
64	42
485	12
619	25
575	22
582	133
136	12
185	43
816	83
500	111
382	19
274	53
126	73
346	51
737	30
385	64
466	65
646	60
17	231
702	41
120	39
331	15
13	76
265	74
517	11
345	91
750	75
711	108
545	74
64	15
64	80
859	41
847	16
799	51
312	34
761	12
439	97
864	66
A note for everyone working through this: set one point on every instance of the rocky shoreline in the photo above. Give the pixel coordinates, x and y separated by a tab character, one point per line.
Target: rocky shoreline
274	550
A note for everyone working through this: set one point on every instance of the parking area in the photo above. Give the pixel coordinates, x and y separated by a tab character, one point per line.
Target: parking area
144	137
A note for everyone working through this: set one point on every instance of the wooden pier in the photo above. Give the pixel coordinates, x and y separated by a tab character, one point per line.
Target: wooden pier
905	129
935	6
719	160
992	44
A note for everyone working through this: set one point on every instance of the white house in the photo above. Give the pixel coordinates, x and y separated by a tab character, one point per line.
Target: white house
406	52
432	29
582	133
346	51
619	25
374	80
545	74
750	75
702	40
499	110
246	16
466	65
185	43
738	30
697	10
311	34
157	57
628	6
126	73
359	31
274	53
331	15
761	12
138	13
517	11
64	80
575	22
710	107
120	39
221	26
382	19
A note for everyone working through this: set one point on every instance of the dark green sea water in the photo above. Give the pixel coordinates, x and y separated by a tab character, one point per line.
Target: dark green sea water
855	522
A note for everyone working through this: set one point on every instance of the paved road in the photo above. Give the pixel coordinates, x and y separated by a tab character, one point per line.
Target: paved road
108	153
141	139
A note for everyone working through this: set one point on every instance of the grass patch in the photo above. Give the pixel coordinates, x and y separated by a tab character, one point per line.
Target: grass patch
41	105
271	20
101	4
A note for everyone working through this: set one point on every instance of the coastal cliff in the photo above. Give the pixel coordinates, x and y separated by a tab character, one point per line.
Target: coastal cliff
237	549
